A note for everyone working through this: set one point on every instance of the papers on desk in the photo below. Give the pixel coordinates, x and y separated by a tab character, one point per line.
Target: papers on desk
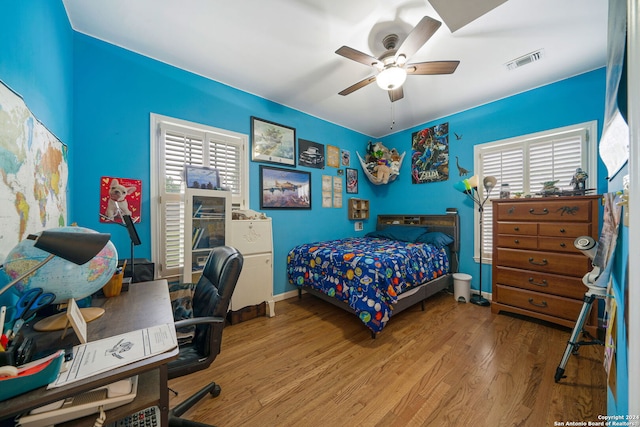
106	354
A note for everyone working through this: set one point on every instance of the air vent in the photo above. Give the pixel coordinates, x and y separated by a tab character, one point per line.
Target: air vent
524	60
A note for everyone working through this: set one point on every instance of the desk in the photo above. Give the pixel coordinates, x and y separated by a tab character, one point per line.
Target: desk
146	304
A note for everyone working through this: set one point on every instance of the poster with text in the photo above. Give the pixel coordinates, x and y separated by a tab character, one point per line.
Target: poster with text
430	154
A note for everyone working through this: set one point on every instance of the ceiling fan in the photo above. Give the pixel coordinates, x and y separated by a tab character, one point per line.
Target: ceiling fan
391	67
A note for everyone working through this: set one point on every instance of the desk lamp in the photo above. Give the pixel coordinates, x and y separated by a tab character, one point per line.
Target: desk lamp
76	247
470	188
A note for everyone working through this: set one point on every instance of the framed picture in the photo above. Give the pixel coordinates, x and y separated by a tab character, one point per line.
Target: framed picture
272	142
284	188
311	154
201	177
333	156
352	181
120	197
345	157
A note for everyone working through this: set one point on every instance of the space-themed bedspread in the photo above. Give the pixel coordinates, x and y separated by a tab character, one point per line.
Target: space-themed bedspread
367	273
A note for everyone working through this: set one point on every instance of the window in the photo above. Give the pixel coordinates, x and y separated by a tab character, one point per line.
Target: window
526	162
175	143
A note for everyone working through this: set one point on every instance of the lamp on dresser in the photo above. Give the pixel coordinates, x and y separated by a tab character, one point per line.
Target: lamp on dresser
470	188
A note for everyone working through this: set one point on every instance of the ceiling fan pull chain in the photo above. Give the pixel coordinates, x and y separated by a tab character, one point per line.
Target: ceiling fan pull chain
393	118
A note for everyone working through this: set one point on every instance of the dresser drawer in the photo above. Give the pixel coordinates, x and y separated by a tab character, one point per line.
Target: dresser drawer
522	242
519	228
565	209
559	244
551	305
547	262
570	287
562	229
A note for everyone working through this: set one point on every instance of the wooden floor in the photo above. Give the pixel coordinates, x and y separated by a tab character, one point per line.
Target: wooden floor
454	364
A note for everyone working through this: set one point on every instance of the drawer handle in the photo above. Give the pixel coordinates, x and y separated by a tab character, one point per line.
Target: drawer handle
562	245
544	262
543	283
562	230
516	228
543	304
516	241
545	211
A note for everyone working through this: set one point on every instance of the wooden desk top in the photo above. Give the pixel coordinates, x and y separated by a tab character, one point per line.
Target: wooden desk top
146	304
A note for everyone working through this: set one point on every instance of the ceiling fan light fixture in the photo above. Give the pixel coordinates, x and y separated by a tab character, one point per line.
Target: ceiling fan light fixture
391	77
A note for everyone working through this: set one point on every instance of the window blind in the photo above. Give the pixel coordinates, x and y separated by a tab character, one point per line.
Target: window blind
190	144
527	162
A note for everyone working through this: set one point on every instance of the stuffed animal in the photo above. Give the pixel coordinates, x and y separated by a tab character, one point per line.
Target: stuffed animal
395	167
394	155
380	151
383	172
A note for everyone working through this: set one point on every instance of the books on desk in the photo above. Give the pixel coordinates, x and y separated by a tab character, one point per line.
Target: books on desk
103	355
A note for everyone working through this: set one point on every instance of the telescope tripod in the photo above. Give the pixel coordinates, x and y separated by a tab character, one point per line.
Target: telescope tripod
573	345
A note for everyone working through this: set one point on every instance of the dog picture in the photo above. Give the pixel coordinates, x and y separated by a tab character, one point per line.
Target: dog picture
118	199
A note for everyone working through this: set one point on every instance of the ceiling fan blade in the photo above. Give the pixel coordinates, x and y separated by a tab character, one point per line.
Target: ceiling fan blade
432	67
396	94
359	85
356	55
418	37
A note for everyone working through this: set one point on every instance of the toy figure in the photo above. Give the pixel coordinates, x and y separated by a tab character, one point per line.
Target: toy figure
578	179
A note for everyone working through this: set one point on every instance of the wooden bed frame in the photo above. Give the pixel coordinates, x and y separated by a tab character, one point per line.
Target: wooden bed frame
449	224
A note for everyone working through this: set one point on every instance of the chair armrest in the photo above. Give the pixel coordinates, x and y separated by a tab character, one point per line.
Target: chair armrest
198	321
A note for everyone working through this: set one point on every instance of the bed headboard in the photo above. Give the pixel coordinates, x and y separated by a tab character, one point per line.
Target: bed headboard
448	223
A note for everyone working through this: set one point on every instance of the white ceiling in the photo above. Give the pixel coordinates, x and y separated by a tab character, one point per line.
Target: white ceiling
284	50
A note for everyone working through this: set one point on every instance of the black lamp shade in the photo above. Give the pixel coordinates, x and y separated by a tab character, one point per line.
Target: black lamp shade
78	248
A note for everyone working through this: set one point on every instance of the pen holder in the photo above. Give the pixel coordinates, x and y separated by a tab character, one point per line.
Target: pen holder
114	286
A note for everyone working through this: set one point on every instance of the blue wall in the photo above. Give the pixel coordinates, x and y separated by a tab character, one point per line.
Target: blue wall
36	61
97	99
571	101
617	392
116	90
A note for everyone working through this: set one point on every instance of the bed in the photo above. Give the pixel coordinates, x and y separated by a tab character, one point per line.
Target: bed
405	261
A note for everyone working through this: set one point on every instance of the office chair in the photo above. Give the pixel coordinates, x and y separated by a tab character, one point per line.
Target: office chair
210	303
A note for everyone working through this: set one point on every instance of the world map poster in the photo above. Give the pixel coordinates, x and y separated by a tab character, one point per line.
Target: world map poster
34	174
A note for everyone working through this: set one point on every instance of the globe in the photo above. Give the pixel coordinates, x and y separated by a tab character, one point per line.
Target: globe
62	278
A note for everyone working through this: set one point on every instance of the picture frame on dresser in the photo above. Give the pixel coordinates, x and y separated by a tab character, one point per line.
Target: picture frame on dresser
537	271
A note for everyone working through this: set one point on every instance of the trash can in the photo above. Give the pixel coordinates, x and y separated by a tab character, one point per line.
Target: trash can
462	286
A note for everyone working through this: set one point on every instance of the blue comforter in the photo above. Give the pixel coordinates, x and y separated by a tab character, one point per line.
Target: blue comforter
366	273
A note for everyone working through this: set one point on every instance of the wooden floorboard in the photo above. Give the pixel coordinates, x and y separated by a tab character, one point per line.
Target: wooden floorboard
454	364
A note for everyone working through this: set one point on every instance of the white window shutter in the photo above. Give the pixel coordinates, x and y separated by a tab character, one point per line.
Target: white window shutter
526	162
182	143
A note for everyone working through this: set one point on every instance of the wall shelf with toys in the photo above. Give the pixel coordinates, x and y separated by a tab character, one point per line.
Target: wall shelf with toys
358	208
381	165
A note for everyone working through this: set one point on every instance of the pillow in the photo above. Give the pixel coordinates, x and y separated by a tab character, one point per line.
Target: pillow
181	302
435	238
405	233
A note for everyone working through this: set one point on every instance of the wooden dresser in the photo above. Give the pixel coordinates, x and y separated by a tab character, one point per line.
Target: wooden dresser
537	271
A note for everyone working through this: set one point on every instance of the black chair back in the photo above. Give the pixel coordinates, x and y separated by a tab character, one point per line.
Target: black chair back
211	300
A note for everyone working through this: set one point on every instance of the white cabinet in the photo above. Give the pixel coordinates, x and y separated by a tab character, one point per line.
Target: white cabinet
253	238
207	215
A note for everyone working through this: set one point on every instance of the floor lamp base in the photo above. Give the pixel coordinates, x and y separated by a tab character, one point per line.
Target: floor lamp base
478	299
